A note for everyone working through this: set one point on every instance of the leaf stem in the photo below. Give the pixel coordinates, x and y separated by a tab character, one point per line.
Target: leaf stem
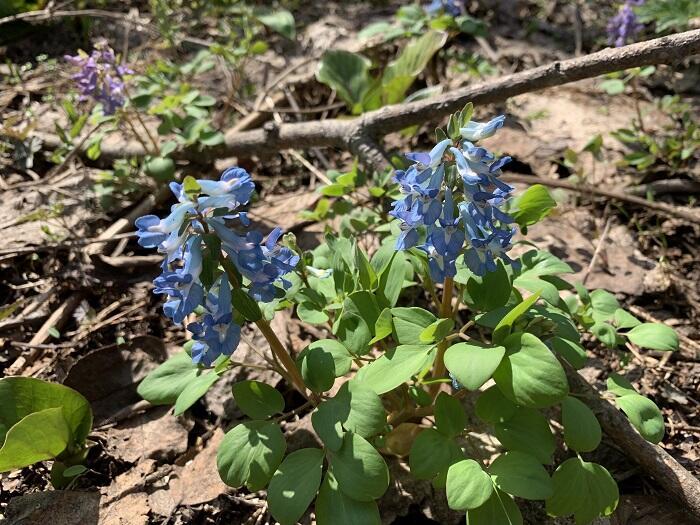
439	369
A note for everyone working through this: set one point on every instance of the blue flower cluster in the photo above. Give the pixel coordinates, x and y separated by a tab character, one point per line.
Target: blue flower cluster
624	25
100	77
429	204
179	236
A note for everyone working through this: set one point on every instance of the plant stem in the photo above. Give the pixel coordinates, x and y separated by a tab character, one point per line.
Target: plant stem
278	349
156	147
439	369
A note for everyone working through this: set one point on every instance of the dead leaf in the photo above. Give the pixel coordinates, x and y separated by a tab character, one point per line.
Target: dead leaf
64	507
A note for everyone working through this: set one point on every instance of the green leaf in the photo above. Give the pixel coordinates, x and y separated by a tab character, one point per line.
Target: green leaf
246	305
436	332
569	350
317	368
383	327
530	375
644	415
432	453
499	509
395	367
620	385
280	20
505	325
604	305
493	407
531	206
333	507
328	424
391	280
193	391
450	418
400	74
342	360
356	323
360	470
583	489
250	453
605	333
23	396
163	385
473	364
582	431
294	485
521	475
161	169
257	400
468	486
527	431
613	86
655	336
41	435
348	74
409	323
367	277
490	291
623	319
311	313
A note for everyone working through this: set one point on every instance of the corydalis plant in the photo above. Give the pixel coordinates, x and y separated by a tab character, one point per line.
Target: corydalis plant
625	25
453	194
101	77
208	218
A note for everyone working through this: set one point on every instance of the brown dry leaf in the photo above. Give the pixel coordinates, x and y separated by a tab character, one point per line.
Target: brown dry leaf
64	507
119	371
157	434
401	438
195	483
125	500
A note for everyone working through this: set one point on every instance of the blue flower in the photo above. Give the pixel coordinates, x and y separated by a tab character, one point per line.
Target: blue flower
448	6
482	130
232	190
182	285
216	334
486	247
154	232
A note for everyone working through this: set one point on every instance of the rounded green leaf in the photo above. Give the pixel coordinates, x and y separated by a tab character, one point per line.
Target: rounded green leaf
655	336
499	509
294	485
257	400
605	333
36	437
195	389
395	367
163	385
569	350
620	385
583	489
348	74
22	396
450	418
530	375
431	454
250	453
312	314
333	507
360	470
644	415
328	424
473	364
409	323
366	415
493	407
527	431
342	359
521	475
160	168
468	486
582	431
317	369
604	305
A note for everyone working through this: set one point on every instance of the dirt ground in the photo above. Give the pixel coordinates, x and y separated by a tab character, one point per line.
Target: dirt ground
149	467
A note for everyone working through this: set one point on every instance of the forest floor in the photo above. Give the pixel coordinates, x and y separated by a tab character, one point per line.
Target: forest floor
86	316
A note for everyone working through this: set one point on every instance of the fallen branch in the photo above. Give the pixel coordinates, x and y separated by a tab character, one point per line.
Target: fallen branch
667	209
676	481
348	133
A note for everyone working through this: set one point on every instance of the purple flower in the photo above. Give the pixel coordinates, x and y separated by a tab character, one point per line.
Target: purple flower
100	77
624	25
